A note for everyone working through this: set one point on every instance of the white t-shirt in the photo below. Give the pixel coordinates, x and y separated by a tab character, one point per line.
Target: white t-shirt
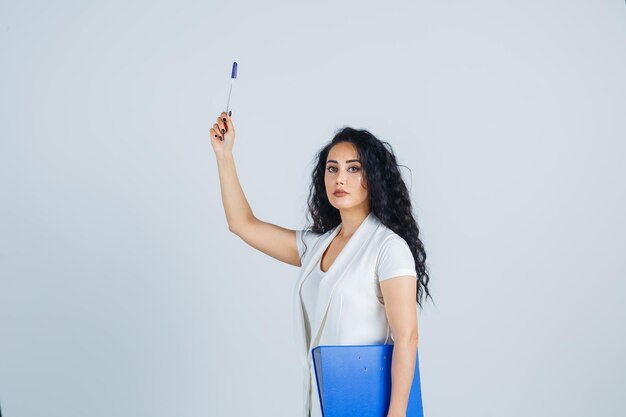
309	294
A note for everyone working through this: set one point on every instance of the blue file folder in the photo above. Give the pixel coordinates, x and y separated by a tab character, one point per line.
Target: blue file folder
355	381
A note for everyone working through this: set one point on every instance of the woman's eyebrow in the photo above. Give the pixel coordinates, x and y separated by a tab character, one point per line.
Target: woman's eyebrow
348	161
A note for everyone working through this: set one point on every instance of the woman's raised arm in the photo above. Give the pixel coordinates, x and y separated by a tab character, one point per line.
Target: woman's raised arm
275	241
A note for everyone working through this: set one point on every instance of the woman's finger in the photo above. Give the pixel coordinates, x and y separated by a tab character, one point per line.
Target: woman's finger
224	118
214	134
221	125
229	123
217	131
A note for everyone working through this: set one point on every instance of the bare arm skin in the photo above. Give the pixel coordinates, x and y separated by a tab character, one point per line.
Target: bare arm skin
401	310
273	240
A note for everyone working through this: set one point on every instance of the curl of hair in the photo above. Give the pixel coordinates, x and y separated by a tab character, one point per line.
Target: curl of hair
389	198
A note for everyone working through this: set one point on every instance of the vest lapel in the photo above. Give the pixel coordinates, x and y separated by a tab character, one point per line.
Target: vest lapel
311	262
339	270
334	274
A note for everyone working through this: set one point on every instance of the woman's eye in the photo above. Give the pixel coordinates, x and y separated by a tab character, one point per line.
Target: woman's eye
356	169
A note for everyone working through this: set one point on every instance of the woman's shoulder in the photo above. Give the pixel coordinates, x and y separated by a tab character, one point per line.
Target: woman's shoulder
384	235
394	257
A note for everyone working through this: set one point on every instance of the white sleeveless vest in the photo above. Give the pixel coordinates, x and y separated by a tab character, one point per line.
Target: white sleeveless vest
349	306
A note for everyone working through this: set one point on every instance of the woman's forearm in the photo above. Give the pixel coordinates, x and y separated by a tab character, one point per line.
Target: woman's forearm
236	206
402	373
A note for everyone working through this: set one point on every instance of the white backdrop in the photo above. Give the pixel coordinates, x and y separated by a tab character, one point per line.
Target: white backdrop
122	292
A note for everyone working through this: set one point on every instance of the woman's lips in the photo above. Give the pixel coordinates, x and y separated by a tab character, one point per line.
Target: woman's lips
340	193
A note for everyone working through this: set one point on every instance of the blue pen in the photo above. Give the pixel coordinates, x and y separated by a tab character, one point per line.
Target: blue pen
233	76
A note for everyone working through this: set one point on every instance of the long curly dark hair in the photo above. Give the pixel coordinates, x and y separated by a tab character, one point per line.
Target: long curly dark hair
389	198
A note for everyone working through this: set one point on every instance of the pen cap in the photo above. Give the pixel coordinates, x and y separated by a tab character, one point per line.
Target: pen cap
233	74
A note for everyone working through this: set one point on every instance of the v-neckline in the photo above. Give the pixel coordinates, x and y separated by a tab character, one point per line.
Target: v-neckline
334	234
319	266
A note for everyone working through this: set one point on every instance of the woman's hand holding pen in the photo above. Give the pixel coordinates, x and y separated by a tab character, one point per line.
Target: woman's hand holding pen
223	134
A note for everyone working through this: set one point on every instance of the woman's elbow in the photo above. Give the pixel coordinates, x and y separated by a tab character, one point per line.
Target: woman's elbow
407	338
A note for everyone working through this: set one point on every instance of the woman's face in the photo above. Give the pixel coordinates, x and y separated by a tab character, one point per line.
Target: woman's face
345	172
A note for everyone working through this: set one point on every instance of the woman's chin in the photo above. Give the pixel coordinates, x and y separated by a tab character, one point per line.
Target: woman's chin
341	203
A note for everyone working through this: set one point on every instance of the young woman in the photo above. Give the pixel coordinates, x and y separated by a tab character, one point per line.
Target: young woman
362	263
